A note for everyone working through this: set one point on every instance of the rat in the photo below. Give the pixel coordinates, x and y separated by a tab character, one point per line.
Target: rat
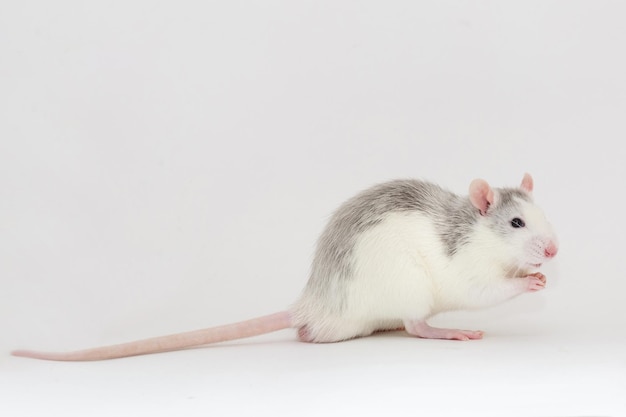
390	258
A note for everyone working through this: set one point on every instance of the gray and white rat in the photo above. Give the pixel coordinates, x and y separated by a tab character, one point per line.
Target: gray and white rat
390	258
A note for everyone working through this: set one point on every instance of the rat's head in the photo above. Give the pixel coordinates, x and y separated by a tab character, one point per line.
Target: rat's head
523	230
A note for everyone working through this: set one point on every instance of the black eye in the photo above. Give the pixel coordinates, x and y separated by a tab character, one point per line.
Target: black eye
517	223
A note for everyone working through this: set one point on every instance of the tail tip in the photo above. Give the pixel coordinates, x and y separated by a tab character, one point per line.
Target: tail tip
31	354
21	353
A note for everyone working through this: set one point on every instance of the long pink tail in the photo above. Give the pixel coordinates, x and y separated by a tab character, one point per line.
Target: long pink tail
249	328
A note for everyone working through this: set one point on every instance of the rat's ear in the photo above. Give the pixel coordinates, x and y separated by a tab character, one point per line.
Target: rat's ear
481	195
527	183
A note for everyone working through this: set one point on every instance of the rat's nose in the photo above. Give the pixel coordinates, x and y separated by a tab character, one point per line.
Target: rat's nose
551	250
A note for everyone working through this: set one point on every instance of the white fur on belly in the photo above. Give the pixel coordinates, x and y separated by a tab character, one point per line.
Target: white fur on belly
394	263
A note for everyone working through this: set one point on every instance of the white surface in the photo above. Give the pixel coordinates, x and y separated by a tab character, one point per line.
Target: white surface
168	166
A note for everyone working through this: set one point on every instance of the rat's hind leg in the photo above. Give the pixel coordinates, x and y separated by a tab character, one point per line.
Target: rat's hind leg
421	329
335	329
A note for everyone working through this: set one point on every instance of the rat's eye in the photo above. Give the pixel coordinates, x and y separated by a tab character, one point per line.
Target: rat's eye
517	223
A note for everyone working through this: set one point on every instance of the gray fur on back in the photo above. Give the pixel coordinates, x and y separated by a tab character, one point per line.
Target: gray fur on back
452	215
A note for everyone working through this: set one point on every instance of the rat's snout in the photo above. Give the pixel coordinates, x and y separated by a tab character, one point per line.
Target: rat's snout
551	250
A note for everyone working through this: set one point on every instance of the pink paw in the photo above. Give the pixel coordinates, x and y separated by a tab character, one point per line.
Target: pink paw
304	335
536	281
463	335
423	330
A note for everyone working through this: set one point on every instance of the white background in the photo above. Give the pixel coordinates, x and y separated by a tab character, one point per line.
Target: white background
167	166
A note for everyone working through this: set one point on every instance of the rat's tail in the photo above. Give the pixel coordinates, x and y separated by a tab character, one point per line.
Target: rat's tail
253	327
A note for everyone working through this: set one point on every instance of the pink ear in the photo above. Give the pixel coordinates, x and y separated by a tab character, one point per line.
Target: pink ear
527	183
481	195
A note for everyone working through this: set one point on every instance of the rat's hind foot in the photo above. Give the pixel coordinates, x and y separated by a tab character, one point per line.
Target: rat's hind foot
421	329
304	335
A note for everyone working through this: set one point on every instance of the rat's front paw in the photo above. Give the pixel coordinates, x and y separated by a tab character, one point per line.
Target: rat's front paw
536	281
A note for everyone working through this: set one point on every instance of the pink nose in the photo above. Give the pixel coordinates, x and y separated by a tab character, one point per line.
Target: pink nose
551	250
